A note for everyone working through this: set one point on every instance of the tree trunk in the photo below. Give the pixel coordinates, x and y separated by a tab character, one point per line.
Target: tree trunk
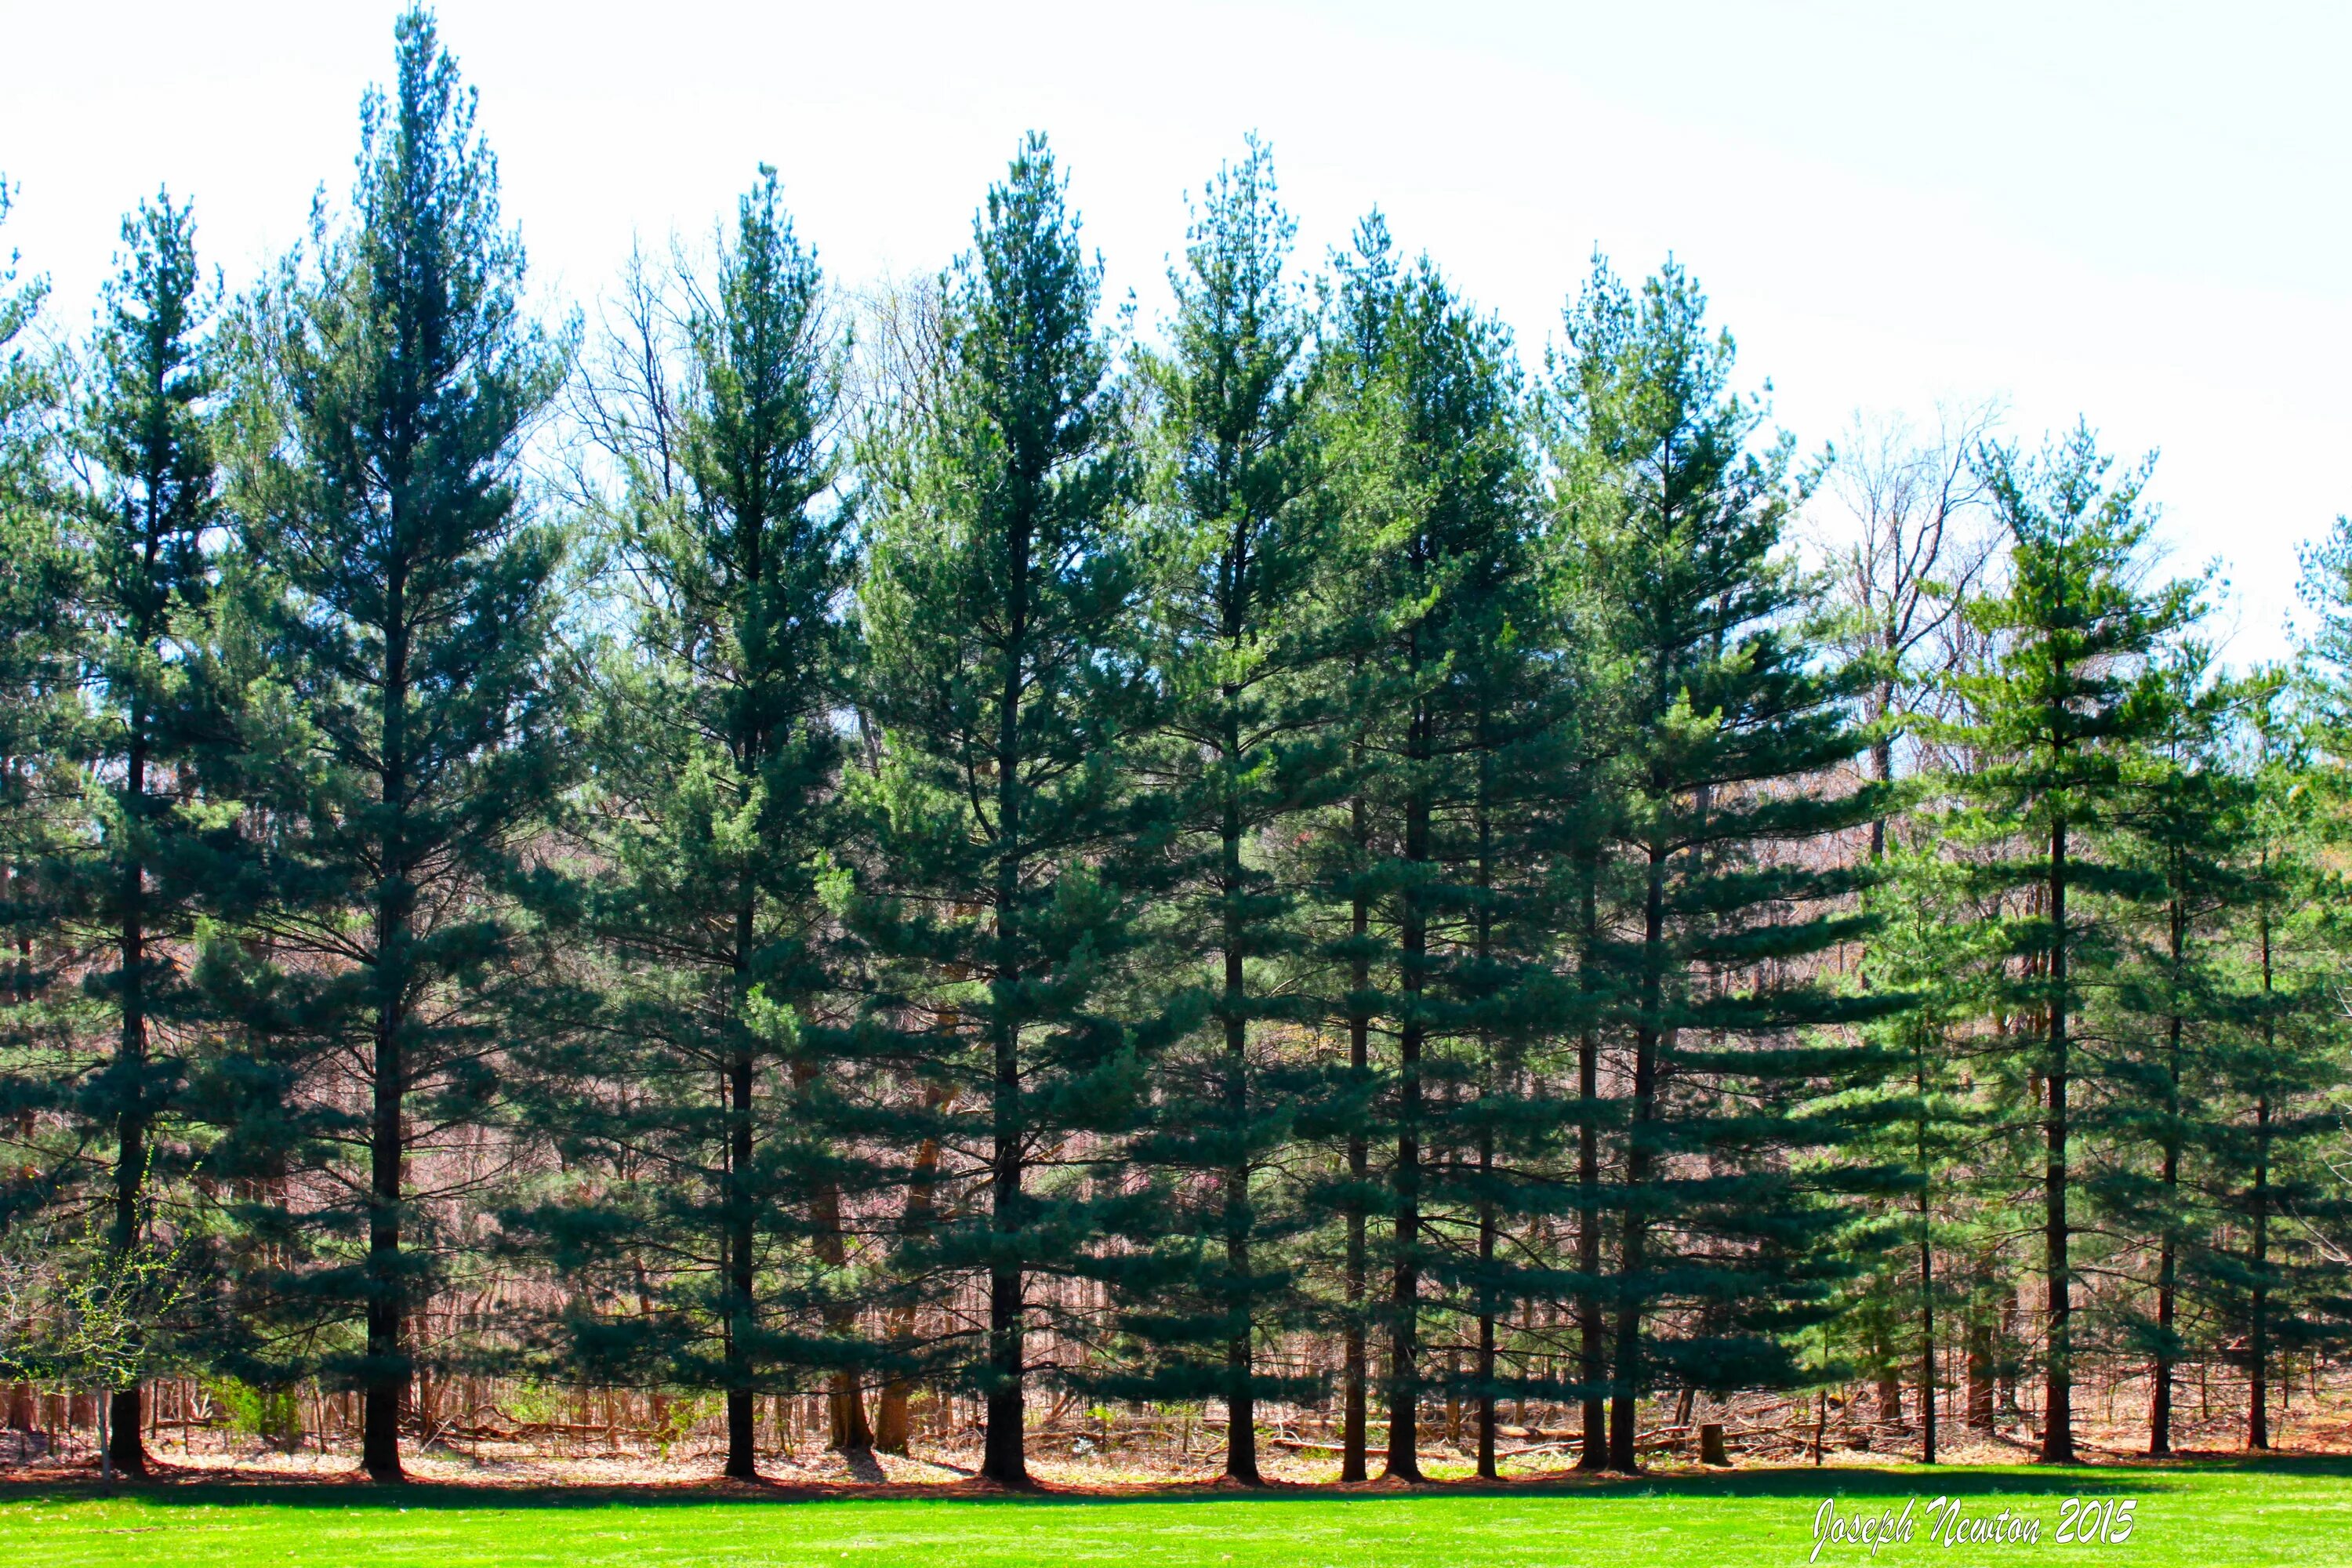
1486	1238
893	1425
1592	1364
1404	1290
1241	1398
2167	1263
1353	1439
1004	1454
1926	1278
2258	1421
126	1451
1980	1357
2058	1404
1625	1405
388	1369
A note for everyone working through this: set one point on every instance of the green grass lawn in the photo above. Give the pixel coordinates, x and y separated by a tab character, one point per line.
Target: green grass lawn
2297	1511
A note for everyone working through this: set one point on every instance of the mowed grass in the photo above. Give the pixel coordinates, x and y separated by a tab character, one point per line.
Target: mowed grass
2283	1512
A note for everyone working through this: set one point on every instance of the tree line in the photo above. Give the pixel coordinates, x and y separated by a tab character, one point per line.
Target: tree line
783	839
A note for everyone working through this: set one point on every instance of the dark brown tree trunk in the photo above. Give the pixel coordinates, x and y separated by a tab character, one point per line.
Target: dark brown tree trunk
1004	1452
2058	1403
2258	1328
1404	1462
1625	1403
1591	1367
1486	1238
1979	1358
388	1368
1354	1376
893	1424
1240	1397
2168	1263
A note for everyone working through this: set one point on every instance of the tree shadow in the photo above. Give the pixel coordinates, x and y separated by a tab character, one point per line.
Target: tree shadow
1804	1482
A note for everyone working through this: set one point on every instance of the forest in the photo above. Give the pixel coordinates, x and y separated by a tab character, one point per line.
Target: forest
917	855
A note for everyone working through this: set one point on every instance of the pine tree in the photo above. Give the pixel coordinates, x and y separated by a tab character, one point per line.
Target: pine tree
2071	695
1677	521
146	450
1008	690
1436	507
1246	749
715	819
1917	1124
2188	818
41	575
405	600
2273	1110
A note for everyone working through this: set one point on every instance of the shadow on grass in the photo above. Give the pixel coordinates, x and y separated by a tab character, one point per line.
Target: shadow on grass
1793	1482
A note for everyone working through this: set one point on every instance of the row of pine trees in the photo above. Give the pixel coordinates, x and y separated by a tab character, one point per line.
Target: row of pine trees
786	841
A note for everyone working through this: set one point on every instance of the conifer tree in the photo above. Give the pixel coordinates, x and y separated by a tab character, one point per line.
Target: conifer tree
1009	693
1435	496
149	502
2071	693
404	598
40	577
2189	819
1678	520
2273	1113
40	580
715	817
1248	747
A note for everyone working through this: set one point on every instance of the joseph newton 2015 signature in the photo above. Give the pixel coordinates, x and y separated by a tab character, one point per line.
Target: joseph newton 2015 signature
1956	1521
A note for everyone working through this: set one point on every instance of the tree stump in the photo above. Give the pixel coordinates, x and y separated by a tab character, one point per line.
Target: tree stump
1711	1450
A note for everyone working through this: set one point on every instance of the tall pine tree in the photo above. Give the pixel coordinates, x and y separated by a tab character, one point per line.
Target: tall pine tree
1008	690
1239	539
2070	696
714	821
1677	521
149	507
405	599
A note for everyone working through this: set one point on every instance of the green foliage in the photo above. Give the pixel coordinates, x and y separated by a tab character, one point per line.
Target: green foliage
1674	522
402	601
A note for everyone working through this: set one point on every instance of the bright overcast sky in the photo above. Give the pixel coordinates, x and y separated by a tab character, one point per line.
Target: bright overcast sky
2135	211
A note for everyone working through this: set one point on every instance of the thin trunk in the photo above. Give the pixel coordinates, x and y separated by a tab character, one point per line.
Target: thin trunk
1240	1401
893	1425
126	1450
1354	1379
741	1239
2058	1404
845	1390
388	1369
1487	1236
1005	1456
1592	1366
2258	1421
1486	1223
1926	1276
2168	1263
1980	1360
1626	1384
1405	1289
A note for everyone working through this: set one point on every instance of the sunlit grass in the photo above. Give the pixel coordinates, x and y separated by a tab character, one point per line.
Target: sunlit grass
2297	1511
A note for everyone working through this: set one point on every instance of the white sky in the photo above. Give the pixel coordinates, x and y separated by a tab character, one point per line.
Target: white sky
2136	212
